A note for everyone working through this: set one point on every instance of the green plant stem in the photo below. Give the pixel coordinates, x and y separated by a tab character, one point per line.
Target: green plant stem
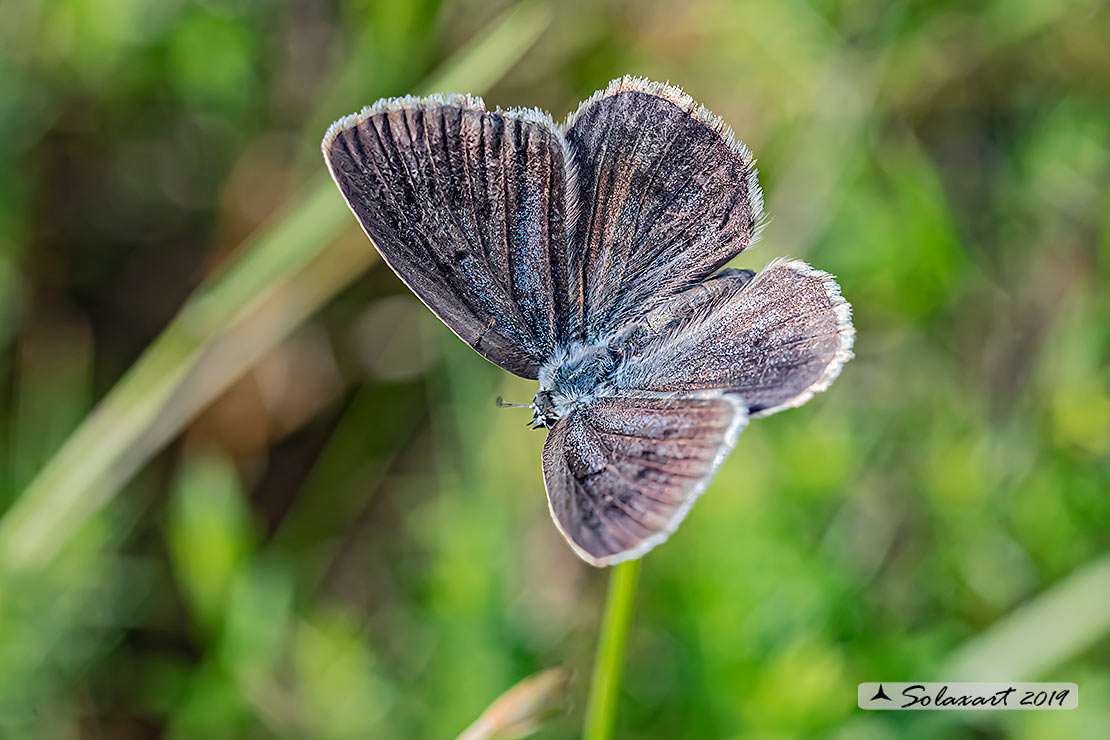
605	684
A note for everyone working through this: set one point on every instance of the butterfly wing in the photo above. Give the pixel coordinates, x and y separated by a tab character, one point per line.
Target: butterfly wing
667	197
468	207
775	339
622	472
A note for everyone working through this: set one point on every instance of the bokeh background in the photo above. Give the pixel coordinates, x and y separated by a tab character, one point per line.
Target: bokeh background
251	488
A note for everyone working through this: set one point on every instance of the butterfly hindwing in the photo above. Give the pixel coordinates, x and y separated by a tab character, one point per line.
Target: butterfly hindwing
468	208
775	339
622	472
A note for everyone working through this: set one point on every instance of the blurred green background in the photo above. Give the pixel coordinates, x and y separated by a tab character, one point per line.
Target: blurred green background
295	511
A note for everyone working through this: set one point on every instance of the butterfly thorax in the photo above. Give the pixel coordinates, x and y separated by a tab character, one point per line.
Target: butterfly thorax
573	378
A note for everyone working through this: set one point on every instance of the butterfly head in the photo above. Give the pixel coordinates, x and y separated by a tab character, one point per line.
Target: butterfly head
544	410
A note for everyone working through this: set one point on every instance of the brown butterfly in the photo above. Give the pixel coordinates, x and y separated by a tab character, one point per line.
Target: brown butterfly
588	256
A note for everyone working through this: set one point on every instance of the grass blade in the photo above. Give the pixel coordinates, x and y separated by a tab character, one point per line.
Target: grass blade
274	284
1041	635
521	710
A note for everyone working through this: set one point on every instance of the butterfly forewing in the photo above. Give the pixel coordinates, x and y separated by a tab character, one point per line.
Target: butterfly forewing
667	197
621	473
468	208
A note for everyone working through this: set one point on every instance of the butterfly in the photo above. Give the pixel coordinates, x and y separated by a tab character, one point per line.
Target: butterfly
588	256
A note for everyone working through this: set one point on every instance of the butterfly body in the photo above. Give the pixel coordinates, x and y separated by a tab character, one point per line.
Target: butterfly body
587	256
577	375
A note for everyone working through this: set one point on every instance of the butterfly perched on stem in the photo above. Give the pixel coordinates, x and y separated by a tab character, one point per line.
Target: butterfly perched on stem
588	256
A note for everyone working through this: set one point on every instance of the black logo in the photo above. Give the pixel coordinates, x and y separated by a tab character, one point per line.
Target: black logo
880	694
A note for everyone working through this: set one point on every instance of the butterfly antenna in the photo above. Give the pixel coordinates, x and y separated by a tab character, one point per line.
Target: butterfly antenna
503	404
